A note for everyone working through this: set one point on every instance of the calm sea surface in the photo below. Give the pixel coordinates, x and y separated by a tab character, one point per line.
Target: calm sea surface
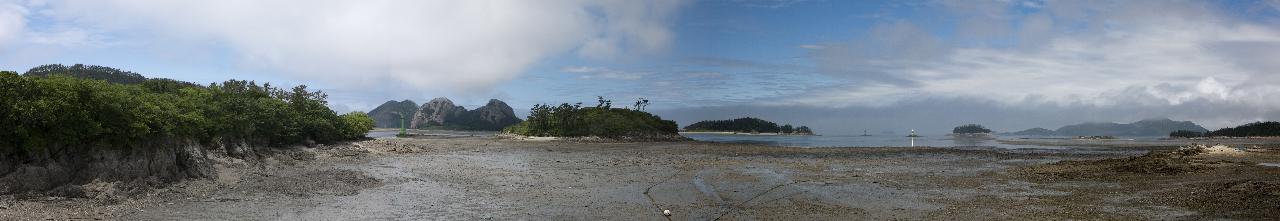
868	141
819	141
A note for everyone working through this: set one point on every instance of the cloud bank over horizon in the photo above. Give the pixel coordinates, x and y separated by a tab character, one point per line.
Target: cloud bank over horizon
1059	52
1118	61
1014	64
442	45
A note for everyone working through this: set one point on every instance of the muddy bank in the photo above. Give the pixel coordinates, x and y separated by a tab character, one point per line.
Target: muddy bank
60	169
487	178
259	173
1214	182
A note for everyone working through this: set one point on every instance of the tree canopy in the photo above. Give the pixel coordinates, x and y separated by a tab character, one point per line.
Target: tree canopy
970	129
744	125
50	111
108	74
574	120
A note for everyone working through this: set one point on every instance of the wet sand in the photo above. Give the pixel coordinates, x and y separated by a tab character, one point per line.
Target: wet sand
445	177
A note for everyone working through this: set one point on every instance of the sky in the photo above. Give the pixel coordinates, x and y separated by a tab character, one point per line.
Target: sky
840	67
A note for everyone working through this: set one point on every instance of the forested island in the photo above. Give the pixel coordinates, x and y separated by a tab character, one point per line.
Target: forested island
73	124
603	120
970	129
1255	129
747	125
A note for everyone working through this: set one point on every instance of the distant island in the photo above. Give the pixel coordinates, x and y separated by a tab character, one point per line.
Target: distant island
1147	127
1033	132
749	125
601	121
970	129
441	113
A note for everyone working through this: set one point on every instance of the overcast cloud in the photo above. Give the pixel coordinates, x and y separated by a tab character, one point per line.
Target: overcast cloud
1013	64
443	45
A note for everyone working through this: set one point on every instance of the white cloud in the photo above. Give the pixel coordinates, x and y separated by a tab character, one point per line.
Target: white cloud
812	46
449	45
12	22
1161	54
604	73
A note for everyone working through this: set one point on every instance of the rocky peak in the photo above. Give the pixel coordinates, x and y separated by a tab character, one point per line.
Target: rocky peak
436	112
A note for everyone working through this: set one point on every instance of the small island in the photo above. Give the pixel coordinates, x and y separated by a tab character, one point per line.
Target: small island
601	121
747	125
970	130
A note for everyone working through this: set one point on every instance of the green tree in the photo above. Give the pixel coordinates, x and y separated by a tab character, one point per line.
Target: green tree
970	129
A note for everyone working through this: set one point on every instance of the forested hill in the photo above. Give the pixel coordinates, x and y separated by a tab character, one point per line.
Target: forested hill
393	114
88	72
746	125
1148	127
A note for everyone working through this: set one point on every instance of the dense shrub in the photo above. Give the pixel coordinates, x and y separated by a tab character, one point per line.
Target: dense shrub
357	125
568	120
61	110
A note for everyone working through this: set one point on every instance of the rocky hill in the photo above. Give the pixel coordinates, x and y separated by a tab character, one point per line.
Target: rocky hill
1034	132
387	115
1148	127
442	113
494	115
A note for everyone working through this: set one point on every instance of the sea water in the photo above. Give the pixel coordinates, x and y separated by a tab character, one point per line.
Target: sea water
862	141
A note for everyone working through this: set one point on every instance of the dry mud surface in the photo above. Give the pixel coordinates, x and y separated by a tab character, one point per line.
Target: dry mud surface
468	178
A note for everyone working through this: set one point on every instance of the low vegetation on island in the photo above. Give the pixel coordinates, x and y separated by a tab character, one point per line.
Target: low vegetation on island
602	120
747	125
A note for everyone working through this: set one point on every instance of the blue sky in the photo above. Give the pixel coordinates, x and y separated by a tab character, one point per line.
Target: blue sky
840	66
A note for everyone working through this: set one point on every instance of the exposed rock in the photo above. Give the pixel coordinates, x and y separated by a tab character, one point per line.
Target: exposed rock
160	160
436	113
442	113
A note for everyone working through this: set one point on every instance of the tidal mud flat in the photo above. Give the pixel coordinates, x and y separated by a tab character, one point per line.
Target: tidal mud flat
449	177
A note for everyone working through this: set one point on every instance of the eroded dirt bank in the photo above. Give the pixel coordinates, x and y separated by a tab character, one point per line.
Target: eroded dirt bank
486	178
